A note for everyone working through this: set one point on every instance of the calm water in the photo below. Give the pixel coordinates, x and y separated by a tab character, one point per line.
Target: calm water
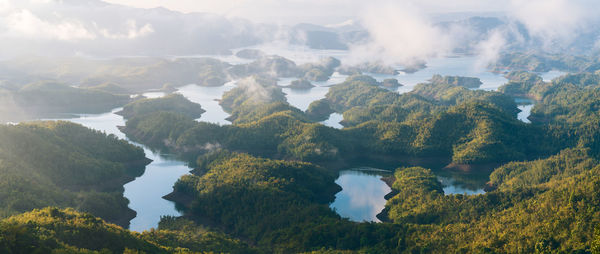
549	76
362	195
525	113
334	121
153	95
207	97
301	98
145	192
525	105
451	66
451	186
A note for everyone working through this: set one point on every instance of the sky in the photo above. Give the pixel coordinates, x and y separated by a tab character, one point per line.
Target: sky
314	11
399	30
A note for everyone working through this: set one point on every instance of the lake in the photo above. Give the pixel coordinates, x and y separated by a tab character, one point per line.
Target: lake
208	98
525	105
362	195
145	192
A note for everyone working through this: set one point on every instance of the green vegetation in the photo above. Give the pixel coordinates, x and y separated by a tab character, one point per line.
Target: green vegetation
250	54
250	92
542	62
467	82
444	121
134	74
277	66
320	71
110	88
300	84
274	66
170	103
50	98
553	210
51	230
280	206
523	84
66	165
391	83
319	110
371	67
263	184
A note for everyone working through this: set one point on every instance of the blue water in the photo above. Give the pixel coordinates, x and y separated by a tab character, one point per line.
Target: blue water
334	121
525	113
450	186
208	98
145	192
362	195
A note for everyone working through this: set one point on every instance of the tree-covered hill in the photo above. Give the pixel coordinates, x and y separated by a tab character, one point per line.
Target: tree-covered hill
66	165
170	103
45	99
52	230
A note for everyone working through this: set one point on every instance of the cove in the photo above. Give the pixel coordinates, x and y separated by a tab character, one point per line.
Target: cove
362	196
145	193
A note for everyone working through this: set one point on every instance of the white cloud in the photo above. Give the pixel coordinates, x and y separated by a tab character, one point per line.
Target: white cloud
304	10
132	32
4	6
400	34
488	51
552	20
25	23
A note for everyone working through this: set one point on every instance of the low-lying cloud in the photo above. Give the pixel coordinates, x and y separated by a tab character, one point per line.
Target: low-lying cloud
488	51
400	34
49	20
553	20
25	23
132	31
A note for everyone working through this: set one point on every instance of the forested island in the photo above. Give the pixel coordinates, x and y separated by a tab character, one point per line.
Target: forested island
440	125
63	164
263	184
299	127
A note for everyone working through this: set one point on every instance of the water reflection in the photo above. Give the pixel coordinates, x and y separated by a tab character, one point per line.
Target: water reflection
525	113
362	195
208	98
451	66
451	186
145	192
549	76
525	105
154	95
334	121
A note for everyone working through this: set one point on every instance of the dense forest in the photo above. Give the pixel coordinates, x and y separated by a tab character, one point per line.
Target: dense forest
46	99
436	120
263	184
542	195
170	103
66	165
313	127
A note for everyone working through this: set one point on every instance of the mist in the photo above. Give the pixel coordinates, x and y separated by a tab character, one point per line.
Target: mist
389	32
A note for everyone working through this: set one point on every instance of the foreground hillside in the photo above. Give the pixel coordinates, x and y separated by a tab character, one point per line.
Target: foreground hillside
264	183
66	165
51	230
